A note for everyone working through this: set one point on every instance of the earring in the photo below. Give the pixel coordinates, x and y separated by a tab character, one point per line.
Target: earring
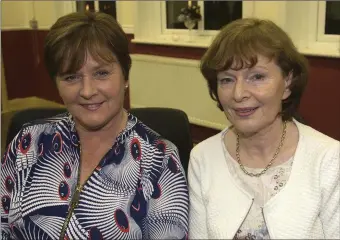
126	86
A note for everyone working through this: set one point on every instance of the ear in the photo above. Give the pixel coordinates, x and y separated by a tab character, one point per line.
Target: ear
288	81
126	84
57	82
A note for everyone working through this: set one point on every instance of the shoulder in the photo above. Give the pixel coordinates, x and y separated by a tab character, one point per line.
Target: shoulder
319	148
159	157
47	126
208	154
30	132
314	141
155	152
151	139
208	147
27	141
57	119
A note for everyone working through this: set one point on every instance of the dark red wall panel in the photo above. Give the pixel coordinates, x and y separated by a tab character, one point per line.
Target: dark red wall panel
320	105
19	66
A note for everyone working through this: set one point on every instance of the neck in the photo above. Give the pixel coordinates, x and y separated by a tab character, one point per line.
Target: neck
263	144
103	136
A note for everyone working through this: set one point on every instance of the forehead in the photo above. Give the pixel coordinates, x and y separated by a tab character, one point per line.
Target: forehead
258	61
91	61
87	59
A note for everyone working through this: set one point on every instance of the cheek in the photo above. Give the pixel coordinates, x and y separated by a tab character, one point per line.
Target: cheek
113	89
67	94
271	93
224	96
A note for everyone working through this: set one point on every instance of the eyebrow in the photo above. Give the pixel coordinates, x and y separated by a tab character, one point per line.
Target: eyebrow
260	66
94	68
103	65
254	67
228	73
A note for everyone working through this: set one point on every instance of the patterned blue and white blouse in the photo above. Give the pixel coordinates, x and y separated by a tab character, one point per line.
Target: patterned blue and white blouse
137	191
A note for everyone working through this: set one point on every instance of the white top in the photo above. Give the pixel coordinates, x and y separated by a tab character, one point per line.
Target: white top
306	207
262	188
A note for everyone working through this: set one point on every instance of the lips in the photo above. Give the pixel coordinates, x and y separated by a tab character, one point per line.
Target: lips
245	112
91	106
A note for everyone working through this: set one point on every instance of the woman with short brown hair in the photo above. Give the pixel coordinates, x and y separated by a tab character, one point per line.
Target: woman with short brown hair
267	175
95	172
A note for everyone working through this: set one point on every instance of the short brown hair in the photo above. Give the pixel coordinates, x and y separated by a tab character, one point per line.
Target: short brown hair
241	41
75	34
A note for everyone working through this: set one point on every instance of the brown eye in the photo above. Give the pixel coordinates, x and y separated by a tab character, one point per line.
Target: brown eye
101	74
257	77
225	81
71	78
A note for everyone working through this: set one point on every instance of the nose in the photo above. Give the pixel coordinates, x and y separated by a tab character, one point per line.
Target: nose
240	90
88	88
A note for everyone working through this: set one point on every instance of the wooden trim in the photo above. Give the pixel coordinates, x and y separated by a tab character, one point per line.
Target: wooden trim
4	97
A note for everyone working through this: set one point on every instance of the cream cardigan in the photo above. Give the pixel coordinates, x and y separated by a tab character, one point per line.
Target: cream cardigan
307	207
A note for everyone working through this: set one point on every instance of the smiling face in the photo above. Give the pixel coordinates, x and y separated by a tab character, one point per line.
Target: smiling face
94	95
252	97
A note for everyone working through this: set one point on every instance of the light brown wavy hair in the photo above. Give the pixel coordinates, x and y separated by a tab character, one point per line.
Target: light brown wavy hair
238	45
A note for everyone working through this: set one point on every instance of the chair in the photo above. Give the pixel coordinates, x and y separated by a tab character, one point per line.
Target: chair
172	124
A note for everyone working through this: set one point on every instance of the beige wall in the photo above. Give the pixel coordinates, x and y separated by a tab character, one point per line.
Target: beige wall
17	14
125	13
174	83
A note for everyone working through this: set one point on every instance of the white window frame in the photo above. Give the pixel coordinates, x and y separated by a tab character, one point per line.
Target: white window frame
302	20
322	37
309	24
199	31
71	6
247	11
151	15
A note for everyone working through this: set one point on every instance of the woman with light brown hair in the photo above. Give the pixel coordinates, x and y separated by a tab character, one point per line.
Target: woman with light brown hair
95	172
267	175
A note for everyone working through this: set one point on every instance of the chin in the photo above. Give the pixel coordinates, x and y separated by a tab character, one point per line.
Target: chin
247	127
93	124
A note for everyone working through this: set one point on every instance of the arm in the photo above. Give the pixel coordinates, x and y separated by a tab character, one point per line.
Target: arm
167	217
330	190
8	184
197	225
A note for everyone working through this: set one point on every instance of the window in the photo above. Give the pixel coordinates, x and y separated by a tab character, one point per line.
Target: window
311	28
219	13
85	6
314	30
332	18
215	14
108	7
173	9
156	22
